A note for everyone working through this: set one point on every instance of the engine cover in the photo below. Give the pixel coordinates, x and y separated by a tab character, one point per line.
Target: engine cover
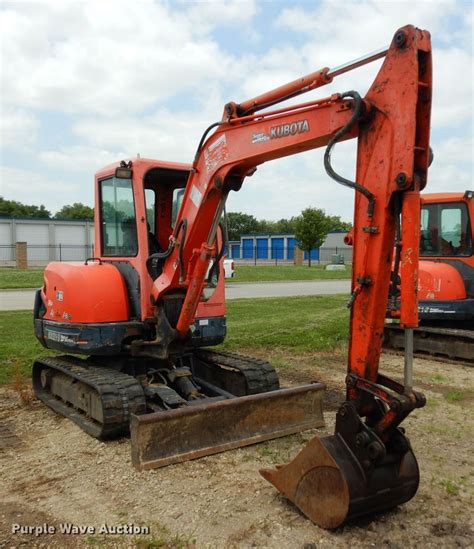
78	293
439	281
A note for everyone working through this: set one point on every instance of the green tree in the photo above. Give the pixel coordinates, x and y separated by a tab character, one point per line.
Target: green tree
239	223
266	227
336	224
75	211
312	226
12	208
286	226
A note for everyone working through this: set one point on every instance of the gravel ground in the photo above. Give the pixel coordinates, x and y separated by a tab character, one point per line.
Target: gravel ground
52	473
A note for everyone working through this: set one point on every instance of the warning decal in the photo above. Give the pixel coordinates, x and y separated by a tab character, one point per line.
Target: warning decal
195	196
216	153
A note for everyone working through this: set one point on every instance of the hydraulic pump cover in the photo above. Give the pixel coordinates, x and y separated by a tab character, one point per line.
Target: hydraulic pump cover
439	280
79	293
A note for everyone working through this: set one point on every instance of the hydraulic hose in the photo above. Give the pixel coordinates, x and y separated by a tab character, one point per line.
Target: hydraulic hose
203	138
394	278
334	139
155	259
215	263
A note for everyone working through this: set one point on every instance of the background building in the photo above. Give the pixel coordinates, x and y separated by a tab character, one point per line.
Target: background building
281	247
56	240
47	240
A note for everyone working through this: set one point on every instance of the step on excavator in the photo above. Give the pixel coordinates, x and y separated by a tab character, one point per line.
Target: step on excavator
146	308
445	280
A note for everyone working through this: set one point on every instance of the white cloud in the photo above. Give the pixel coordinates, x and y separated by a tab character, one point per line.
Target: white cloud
453	86
30	187
104	57
148	77
454	150
80	158
350	25
18	128
163	135
206	16
333	44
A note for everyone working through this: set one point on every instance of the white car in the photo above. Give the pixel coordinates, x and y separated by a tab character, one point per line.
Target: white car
229	270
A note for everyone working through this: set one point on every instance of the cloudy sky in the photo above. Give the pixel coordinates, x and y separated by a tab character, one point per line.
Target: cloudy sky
89	82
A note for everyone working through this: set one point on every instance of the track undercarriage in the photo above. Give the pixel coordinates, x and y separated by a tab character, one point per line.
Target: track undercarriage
205	402
436	341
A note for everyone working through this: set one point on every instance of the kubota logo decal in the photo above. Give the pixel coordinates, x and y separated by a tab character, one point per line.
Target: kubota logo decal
283	130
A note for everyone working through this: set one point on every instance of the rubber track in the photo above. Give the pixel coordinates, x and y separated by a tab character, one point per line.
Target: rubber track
455	344
259	374
121	394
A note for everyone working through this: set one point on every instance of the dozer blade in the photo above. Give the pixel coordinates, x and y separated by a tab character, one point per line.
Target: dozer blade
330	486
174	436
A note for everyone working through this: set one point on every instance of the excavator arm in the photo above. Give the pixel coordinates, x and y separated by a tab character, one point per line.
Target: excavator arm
391	124
368	464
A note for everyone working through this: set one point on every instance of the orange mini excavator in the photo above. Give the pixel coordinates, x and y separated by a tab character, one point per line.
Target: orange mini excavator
445	279
143	307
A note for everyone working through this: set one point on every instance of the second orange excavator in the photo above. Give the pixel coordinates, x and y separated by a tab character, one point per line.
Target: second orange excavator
445	280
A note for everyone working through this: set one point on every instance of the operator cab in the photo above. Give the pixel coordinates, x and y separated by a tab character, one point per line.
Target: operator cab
119	210
138	209
133	221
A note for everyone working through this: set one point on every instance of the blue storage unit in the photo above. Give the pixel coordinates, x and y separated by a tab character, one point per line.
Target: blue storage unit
314	254
262	248
291	248
247	248
235	251
278	249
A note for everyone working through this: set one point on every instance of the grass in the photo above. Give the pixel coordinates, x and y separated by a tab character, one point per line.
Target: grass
18	345
11	278
454	396
439	378
281	363
299	324
268	273
451	487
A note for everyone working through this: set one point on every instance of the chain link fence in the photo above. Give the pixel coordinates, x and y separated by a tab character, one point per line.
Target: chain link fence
39	255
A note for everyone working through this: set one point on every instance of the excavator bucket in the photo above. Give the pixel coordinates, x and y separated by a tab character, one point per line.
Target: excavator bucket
174	436
331	485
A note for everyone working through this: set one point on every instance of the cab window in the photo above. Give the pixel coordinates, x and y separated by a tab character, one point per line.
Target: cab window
118	220
445	230
178	195
150	209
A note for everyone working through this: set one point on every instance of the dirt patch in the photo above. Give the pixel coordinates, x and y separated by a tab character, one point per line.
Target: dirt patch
58	474
17	517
